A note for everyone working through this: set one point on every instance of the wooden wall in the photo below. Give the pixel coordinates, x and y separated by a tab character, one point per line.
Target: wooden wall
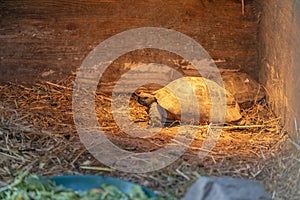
280	59
49	39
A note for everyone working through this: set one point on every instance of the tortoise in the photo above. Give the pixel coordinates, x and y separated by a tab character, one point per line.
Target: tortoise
244	88
164	106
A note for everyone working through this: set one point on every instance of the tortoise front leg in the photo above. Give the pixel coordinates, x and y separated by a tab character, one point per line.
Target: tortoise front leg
157	115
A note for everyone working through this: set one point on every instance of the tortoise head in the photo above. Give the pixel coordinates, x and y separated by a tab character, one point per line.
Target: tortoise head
145	99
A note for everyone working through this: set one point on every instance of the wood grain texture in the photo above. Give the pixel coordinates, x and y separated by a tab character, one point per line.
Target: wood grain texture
38	36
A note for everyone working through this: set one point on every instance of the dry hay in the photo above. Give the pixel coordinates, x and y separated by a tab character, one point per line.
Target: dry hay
37	134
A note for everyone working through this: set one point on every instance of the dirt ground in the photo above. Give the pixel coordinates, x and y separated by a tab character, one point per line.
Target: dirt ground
38	135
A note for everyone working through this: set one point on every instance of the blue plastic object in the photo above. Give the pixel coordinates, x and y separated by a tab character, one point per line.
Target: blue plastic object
88	182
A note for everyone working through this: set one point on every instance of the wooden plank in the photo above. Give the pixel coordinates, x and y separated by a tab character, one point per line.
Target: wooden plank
61	33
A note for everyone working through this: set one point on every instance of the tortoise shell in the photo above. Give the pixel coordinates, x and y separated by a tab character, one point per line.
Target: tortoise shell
244	88
179	94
